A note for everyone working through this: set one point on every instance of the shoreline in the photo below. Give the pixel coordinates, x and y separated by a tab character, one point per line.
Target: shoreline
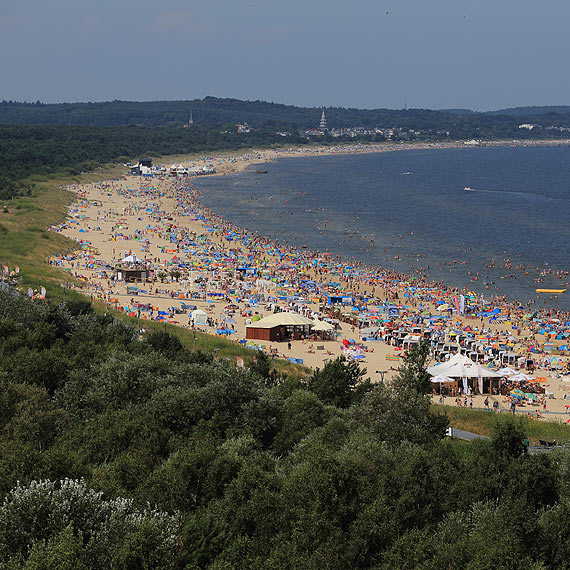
231	162
248	160
151	206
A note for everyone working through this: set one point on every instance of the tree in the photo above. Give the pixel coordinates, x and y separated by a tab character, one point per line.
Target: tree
413	375
114	534
508	439
203	539
340	382
164	343
302	413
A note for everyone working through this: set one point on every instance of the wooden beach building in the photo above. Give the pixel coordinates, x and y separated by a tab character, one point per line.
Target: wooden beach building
279	327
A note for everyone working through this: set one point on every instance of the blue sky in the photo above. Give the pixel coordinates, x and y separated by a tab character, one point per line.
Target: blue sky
478	54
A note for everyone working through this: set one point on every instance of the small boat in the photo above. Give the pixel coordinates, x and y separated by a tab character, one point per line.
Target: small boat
468	188
261	171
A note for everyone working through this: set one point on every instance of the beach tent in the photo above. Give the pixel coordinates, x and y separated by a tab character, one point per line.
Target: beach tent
441	380
130	259
520	378
322	326
199	317
459	366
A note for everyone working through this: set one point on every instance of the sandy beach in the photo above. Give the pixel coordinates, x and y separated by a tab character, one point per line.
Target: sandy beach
233	162
196	258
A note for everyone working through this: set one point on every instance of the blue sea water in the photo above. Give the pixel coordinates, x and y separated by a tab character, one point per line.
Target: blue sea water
410	209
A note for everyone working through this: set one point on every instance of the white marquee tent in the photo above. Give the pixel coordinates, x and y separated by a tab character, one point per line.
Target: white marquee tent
459	366
199	317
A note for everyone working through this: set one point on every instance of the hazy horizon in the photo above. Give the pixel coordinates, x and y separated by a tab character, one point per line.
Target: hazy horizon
280	103
367	54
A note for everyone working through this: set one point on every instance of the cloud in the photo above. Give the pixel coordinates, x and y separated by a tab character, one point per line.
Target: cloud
271	33
8	20
175	20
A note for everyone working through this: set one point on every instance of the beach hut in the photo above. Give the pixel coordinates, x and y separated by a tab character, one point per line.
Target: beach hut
131	274
278	327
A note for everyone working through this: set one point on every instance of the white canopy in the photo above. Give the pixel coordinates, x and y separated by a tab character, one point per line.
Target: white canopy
441	380
459	366
507	371
281	319
520	377
322	326
199	317
131	259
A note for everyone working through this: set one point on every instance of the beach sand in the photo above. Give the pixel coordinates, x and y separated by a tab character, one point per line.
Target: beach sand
147	209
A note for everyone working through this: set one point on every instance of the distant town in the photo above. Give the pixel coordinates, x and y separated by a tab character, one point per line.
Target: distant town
378	133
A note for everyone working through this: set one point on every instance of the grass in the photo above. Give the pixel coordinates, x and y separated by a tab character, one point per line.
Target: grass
26	243
482	423
221	347
24	239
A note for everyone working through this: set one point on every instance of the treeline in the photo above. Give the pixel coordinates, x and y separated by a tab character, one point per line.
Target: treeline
117	452
215	111
27	150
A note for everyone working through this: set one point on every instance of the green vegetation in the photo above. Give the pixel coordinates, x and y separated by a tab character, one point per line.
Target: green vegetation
117	452
24	239
42	139
215	111
483	423
45	150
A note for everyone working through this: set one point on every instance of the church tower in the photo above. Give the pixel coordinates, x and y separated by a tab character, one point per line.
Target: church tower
323	123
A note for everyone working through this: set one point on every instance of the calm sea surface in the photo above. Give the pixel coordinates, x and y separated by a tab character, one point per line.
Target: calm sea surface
410	209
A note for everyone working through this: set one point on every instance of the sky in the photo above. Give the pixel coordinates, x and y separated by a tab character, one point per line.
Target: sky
476	54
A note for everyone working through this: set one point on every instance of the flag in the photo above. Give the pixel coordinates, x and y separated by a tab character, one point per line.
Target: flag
43	292
30	293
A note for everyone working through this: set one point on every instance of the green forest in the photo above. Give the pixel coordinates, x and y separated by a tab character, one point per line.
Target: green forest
124	452
211	111
42	139
27	150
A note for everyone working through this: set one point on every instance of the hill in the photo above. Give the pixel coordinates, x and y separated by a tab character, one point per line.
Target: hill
533	111
215	111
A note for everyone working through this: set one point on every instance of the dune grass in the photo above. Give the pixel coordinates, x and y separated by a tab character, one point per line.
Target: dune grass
26	242
24	237
218	346
482	423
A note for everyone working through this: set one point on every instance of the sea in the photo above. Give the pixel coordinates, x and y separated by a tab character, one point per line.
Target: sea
494	220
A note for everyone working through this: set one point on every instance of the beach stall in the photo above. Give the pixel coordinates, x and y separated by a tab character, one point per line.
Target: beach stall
279	327
131	270
323	329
